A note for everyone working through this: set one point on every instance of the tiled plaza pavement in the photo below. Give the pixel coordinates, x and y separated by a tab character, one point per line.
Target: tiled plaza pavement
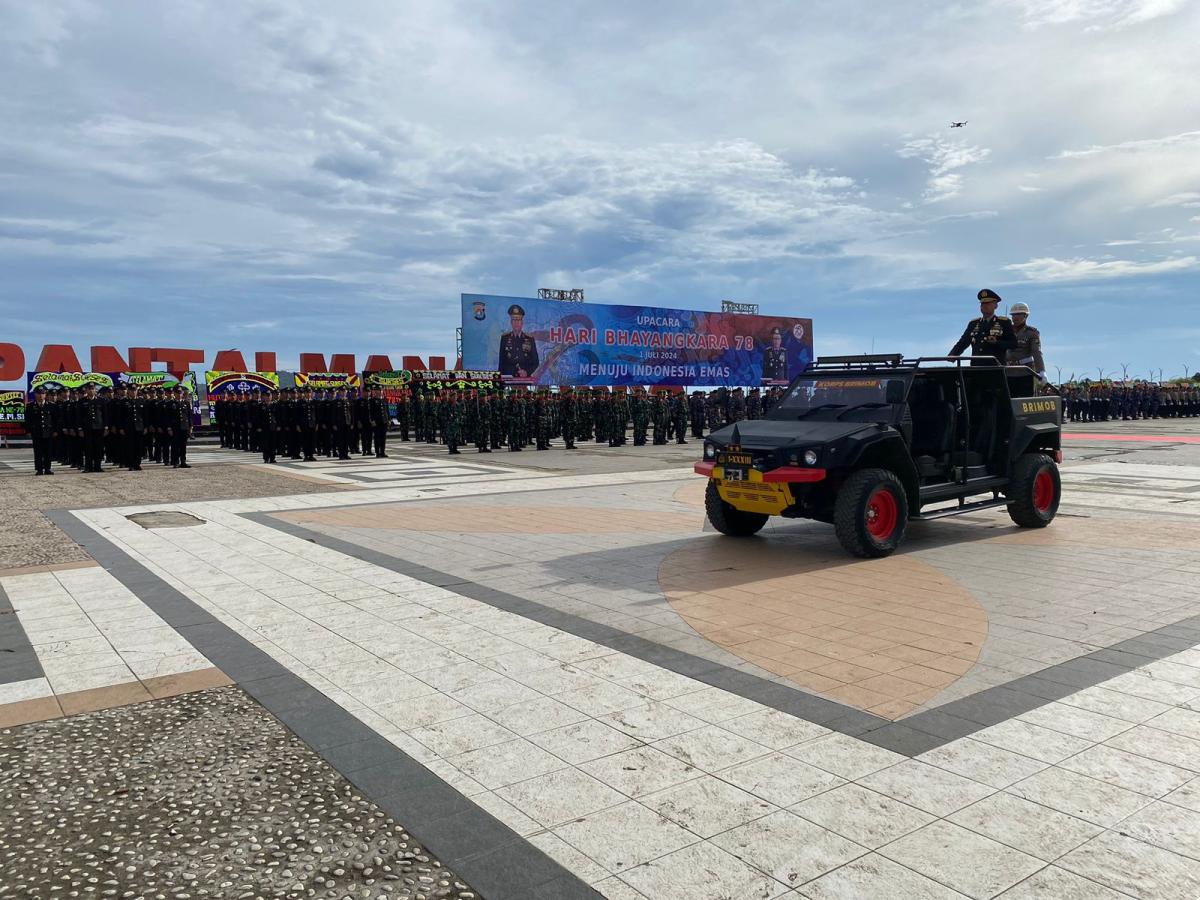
561	679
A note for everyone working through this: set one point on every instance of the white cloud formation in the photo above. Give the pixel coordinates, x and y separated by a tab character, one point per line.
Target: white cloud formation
1048	268
1183	140
1097	15
944	157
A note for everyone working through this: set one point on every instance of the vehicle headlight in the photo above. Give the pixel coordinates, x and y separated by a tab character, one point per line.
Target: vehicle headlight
810	457
709	451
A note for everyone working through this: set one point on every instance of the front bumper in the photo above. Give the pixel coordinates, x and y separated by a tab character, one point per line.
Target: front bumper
761	492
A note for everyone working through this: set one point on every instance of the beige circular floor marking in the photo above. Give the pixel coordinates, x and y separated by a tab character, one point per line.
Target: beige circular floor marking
883	635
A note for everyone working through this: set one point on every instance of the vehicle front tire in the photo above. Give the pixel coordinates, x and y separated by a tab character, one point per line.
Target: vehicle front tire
730	521
1034	492
871	513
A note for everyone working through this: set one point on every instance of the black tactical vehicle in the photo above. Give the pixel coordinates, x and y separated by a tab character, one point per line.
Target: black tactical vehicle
868	443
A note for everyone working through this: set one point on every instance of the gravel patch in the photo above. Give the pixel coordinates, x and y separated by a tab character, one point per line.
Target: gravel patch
202	795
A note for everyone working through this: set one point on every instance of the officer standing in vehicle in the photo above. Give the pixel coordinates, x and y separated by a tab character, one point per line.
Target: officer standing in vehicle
1028	351
989	335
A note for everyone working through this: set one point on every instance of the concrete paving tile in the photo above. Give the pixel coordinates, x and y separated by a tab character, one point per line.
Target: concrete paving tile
774	729
572	860
560	796
651	721
862	815
27	689
702	872
1053	883
1127	770
1080	796
1187	796
536	715
641	771
780	779
874	877
1115	704
1185	722
711	748
34	709
507	763
707	806
461	735
507	813
968	862
1167	826
584	741
625	836
1032	740
1033	829
982	762
428	709
1077	722
790	849
1135	868
107	697
1164	746
615	889
926	787
844	756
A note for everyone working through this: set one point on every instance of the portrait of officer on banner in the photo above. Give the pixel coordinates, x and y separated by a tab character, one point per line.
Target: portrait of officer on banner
518	350
775	362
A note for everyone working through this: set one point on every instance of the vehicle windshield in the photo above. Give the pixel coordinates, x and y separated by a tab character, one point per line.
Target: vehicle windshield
808	394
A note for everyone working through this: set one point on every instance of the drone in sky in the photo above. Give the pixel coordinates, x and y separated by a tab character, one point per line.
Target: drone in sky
957	124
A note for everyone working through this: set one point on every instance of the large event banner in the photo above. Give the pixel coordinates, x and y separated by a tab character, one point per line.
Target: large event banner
57	381
395	384
456	379
551	342
12	412
240	382
327	381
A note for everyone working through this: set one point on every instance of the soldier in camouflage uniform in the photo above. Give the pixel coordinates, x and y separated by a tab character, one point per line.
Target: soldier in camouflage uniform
660	418
640	411
679	417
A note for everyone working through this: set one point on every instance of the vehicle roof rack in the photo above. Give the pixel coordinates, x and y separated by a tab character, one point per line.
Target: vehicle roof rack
865	360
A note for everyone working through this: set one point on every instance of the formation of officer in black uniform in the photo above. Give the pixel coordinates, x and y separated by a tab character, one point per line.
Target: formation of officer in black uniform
124	427
303	423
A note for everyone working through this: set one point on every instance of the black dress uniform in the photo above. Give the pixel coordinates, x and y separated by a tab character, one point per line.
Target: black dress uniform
39	422
134	423
992	336
518	350
93	422
377	421
179	427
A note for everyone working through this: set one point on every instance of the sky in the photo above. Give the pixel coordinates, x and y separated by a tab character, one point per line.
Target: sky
314	176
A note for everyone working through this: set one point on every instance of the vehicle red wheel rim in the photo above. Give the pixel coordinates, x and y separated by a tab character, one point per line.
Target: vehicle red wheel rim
882	514
1043	491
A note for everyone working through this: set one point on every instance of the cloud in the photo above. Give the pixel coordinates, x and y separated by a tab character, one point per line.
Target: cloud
1189	199
1174	141
1048	268
1099	15
944	158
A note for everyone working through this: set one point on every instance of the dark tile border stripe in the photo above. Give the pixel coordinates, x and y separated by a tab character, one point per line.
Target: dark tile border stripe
483	851
18	659
910	736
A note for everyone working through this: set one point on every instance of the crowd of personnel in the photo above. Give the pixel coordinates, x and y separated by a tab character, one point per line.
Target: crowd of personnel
303	423
1102	402
123	426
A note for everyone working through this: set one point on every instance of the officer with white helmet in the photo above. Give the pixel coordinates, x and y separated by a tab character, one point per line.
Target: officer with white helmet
1028	351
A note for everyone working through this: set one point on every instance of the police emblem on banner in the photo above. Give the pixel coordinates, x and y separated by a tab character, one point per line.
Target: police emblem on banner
480	311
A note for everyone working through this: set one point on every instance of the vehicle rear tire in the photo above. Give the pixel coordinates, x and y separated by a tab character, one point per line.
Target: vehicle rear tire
871	513
730	521
1034	492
